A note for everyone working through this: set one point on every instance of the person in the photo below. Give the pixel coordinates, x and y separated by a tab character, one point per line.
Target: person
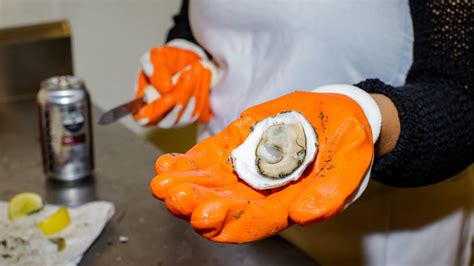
414	59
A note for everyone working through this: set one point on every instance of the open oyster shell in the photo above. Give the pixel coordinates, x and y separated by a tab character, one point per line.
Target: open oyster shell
277	151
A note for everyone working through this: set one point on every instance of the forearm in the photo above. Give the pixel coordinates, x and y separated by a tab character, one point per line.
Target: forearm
390	131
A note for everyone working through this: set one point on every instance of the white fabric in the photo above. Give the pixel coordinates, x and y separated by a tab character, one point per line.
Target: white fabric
267	49
270	48
87	222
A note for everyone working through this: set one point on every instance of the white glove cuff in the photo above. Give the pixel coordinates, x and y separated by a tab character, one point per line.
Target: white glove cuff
187	45
374	116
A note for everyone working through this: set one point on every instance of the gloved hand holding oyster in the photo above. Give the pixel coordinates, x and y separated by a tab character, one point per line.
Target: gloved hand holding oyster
300	158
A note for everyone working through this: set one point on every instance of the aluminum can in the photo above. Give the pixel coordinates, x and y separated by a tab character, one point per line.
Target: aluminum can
65	128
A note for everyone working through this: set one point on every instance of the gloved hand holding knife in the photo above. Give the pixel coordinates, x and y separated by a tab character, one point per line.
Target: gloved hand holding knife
172	87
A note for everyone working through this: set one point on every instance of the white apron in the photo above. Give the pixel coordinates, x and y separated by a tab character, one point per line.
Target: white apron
270	48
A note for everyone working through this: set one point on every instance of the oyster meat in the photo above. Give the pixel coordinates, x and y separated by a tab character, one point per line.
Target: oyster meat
277	151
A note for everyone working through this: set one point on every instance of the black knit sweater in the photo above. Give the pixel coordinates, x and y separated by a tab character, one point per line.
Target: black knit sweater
436	104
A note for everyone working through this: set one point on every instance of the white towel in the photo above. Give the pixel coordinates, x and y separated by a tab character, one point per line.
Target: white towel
22	243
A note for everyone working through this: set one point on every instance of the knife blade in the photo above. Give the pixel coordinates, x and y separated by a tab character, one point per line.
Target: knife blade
122	110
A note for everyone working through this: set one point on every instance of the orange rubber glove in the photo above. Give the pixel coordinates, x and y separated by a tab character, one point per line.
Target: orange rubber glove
176	82
202	187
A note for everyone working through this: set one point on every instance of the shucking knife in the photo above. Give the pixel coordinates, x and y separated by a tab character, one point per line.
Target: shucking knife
114	114
122	110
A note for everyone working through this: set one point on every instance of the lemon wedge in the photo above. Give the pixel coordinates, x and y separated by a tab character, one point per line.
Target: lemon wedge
23	204
56	222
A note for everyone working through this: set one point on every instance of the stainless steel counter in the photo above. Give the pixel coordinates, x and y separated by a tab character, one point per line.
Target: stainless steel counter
124	167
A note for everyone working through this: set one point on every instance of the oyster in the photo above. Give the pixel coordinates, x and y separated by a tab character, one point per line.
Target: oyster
277	151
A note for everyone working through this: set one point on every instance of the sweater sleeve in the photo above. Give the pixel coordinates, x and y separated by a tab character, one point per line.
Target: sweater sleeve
181	28
436	105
